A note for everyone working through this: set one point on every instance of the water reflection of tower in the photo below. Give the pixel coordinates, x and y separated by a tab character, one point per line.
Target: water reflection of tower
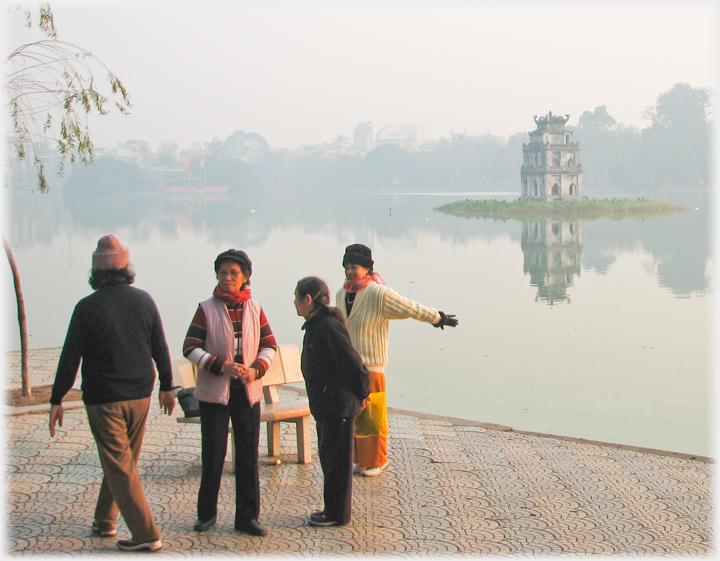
552	251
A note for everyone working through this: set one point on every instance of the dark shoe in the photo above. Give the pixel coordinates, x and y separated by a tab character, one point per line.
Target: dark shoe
323	520
203	525
251	527
129	545
317	514
104	533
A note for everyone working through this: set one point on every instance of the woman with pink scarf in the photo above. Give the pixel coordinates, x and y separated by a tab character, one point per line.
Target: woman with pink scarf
369	305
231	344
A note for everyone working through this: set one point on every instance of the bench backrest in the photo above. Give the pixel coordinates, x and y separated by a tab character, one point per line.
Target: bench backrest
285	369
185	371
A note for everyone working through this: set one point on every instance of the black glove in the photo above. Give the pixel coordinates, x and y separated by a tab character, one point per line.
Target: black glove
448	320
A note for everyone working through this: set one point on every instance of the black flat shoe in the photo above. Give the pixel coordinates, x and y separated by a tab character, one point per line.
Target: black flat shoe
203	525
129	545
317	514
323	520
251	527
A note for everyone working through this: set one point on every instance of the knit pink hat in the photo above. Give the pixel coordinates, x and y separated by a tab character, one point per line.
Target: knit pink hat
110	254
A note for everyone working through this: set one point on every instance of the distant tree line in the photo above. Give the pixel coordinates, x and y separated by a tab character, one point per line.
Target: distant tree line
673	151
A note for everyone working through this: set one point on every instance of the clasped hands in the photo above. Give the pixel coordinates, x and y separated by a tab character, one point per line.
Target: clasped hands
236	370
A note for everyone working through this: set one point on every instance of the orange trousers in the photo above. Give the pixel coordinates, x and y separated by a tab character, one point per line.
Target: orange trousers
371	426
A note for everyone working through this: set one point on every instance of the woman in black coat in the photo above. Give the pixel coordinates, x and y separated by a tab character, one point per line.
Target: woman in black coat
337	386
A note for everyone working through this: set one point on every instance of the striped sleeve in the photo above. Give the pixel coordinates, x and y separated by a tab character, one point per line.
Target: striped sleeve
193	345
267	347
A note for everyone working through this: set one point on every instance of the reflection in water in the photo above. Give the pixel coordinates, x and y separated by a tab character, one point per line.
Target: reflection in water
632	367
552	250
679	245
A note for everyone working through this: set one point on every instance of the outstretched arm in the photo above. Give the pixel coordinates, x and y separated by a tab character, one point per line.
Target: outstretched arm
394	306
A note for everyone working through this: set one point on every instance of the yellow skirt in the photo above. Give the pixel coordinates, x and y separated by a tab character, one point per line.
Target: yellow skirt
371	426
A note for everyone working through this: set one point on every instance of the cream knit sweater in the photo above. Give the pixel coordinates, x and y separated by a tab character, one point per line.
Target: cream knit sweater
369	321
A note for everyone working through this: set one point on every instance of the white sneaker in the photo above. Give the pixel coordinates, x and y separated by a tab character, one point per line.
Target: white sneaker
372	472
129	545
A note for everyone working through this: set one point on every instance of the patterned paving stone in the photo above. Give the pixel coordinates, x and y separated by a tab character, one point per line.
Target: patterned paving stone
450	489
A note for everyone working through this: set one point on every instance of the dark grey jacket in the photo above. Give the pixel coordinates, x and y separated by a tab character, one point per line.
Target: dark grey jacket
117	333
336	379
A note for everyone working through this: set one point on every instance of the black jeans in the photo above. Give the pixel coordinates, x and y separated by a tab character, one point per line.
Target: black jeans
335	448
214	419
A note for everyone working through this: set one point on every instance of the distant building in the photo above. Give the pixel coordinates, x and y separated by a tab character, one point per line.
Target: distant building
551	169
408	137
340	145
169	148
179	180
137	151
363	137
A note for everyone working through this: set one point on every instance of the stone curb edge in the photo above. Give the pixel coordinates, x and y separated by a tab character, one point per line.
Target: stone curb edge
13	411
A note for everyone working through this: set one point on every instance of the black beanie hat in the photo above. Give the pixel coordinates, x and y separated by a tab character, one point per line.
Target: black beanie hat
358	254
240	257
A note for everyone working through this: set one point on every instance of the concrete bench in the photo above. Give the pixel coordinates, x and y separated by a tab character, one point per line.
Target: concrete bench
285	369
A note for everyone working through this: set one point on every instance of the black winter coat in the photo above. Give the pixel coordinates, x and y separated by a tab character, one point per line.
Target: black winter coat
117	333
336	379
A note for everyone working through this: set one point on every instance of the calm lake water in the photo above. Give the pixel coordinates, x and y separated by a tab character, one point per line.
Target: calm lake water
594	329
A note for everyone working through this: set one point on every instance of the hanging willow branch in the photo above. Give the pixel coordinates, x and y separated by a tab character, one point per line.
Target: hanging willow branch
51	88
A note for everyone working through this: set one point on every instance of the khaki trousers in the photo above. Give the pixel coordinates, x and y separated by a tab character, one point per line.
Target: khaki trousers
119	429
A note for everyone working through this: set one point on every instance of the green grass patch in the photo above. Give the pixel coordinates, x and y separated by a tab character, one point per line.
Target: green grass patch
565	210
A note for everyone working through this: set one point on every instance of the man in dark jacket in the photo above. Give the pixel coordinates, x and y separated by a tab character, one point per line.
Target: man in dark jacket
117	334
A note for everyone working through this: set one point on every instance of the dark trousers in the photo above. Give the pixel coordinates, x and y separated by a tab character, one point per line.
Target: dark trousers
214	419
335	448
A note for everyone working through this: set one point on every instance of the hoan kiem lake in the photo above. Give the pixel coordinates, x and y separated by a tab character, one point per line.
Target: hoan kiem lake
596	329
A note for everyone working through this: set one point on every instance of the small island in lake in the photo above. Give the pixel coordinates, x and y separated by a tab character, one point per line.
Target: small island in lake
551	180
566	210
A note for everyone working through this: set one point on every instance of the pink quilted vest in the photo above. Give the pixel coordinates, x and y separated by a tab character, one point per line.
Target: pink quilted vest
220	341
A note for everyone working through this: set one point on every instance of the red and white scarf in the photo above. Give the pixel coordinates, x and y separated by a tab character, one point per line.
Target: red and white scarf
232	298
358	285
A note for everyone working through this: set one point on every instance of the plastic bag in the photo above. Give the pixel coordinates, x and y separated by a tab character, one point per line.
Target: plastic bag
190	405
373	420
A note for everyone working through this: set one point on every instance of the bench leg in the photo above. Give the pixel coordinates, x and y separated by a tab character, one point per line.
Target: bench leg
273	438
302	427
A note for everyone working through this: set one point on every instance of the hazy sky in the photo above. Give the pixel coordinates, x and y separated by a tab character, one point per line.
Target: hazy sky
305	72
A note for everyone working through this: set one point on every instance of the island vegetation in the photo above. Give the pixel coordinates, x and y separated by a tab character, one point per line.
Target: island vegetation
565	210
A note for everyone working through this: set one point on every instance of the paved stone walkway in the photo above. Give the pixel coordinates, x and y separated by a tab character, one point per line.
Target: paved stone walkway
451	488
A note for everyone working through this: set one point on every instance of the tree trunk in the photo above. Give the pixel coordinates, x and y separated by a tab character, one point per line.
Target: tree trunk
25	375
